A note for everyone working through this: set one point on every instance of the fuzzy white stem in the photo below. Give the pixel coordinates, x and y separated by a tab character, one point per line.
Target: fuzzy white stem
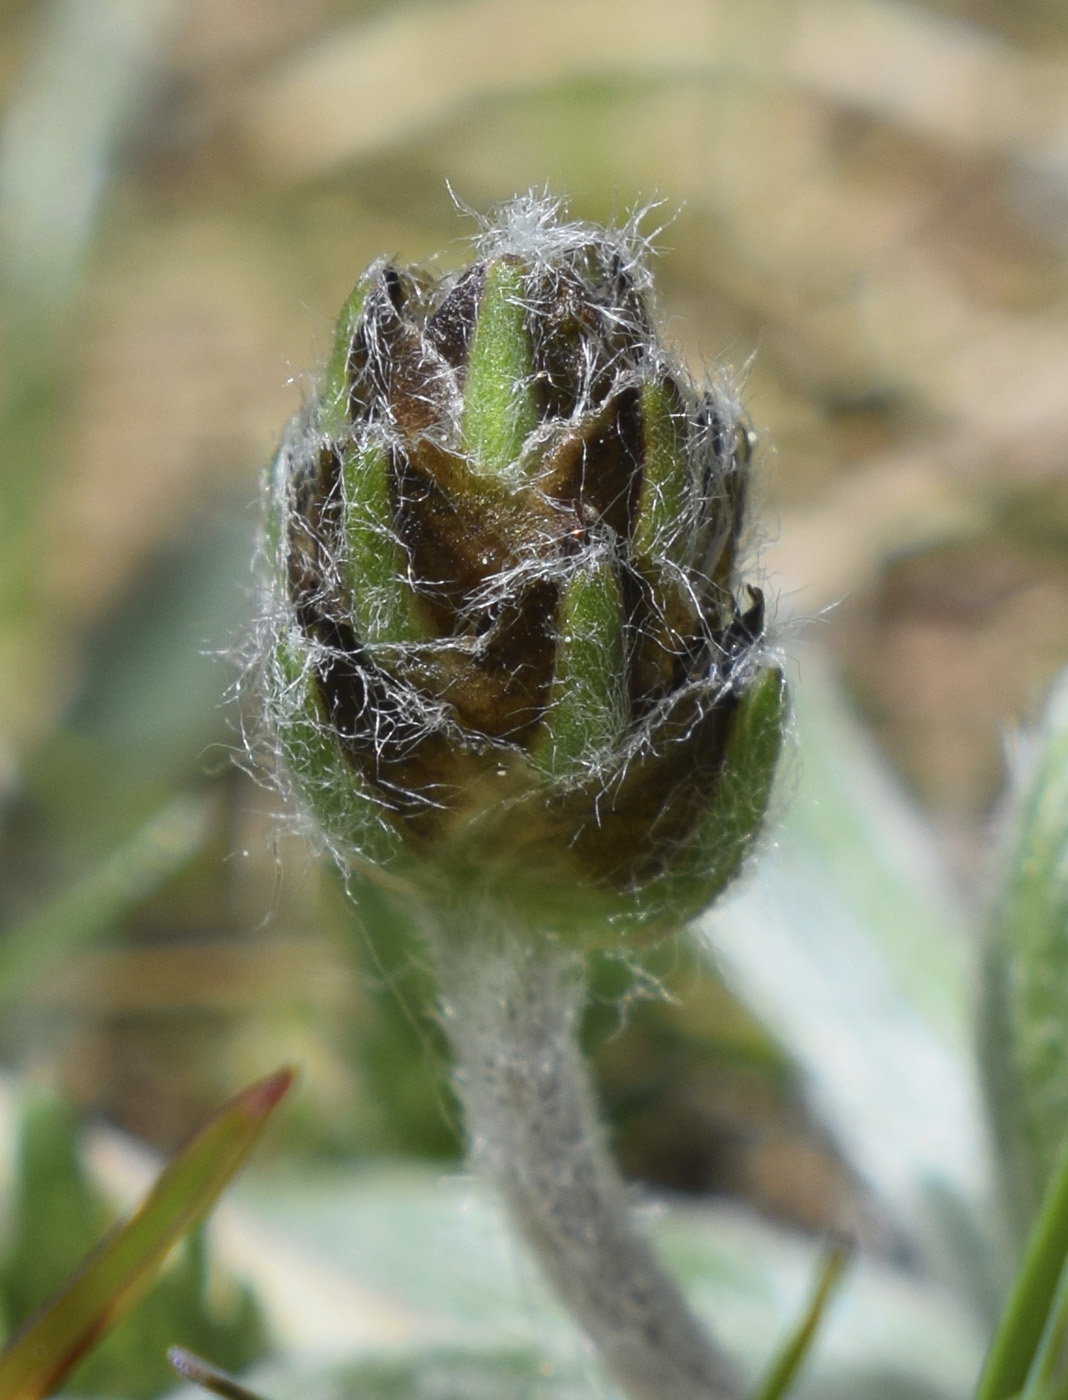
511	1006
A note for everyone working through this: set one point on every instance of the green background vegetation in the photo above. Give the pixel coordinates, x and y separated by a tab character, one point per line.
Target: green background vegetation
865	211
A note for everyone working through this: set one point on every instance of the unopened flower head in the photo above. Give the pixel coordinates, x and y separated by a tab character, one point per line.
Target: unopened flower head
509	649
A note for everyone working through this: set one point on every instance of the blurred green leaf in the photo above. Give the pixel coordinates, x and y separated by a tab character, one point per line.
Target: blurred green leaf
1038	1281
85	81
155	852
116	1274
1046	1376
400	1053
1025	1023
503	1374
433	1260
57	1214
156	667
848	944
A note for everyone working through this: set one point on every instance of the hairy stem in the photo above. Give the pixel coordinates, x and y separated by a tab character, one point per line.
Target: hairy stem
511	1007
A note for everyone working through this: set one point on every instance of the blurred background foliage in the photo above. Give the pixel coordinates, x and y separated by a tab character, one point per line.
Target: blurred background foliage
863	208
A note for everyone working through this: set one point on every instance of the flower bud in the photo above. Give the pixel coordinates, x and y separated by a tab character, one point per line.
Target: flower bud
508	650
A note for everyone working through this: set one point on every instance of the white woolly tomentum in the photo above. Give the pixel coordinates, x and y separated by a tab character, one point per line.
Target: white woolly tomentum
510	651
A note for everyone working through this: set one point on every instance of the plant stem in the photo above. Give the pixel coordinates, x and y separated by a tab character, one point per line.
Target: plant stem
511	1005
1019	1333
786	1365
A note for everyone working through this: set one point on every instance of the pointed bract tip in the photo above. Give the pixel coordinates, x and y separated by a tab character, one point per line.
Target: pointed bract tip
259	1099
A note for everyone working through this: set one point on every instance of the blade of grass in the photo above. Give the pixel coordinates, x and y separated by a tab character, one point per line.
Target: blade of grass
1019	1333
1042	1378
115	1275
157	850
790	1359
202	1373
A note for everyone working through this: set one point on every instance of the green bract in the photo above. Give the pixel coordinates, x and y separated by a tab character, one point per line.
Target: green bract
509	654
